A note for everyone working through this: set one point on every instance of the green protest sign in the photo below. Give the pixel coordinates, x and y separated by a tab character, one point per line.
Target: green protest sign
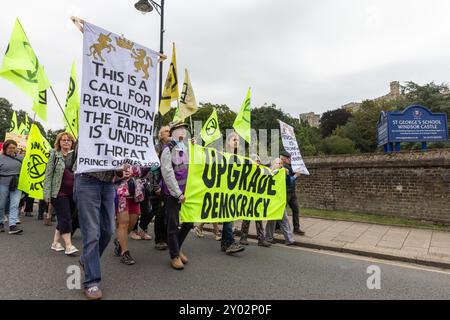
225	187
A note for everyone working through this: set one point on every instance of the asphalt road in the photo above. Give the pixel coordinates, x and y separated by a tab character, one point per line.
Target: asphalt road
30	270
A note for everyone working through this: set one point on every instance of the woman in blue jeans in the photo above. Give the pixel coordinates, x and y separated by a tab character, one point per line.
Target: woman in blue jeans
10	166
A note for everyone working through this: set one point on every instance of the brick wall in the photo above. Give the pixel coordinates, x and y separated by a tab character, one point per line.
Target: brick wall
407	184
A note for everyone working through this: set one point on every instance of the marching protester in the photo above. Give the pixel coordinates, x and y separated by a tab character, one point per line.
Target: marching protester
139	231
174	169
129	195
157	200
58	189
228	245
259	225
155	208
94	196
285	227
10	165
291	194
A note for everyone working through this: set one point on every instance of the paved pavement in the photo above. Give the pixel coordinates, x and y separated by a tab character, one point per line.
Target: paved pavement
30	270
426	247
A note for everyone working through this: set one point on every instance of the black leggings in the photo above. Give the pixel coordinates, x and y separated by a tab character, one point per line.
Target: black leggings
64	207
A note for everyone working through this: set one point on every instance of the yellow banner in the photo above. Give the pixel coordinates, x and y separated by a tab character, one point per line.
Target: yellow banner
224	187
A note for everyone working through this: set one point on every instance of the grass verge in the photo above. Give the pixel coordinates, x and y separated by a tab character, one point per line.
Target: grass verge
372	218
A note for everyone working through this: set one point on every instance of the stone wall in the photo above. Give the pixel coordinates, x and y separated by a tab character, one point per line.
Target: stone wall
407	184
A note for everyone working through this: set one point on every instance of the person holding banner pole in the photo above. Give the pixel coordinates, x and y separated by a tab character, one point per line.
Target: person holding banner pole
291	194
174	169
285	227
228	245
94	196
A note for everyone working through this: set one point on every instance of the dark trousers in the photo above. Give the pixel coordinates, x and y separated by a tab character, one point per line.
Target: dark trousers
259	230
64	206
29	202
227	234
175	235
160	219
153	208
145	218
293	204
43	207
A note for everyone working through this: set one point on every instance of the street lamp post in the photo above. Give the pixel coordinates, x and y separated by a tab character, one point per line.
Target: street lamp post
146	6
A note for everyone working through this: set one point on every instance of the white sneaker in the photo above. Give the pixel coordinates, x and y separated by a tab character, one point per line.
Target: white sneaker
18	221
57	247
5	219
71	250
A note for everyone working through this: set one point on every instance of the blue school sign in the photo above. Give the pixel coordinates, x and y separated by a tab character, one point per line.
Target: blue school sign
415	124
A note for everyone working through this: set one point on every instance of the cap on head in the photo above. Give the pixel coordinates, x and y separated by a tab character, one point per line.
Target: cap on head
177	124
285	154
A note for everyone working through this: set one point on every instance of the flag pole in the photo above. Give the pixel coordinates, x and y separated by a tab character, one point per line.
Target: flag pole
67	121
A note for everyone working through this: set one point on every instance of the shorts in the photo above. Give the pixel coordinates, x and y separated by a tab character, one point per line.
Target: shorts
132	207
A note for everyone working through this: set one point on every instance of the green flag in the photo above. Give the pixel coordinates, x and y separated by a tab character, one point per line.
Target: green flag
211	131
242	122
23	129
13	127
21	67
72	108
32	173
176	116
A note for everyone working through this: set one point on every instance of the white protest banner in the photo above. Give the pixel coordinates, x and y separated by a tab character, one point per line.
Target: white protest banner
290	145
117	107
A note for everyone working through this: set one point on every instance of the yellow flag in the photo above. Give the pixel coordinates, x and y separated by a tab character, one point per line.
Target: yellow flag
32	173
211	131
242	122
13	127
23	130
170	90
176	116
188	104
21	67
72	108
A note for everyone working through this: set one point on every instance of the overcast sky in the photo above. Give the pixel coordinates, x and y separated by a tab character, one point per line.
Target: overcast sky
304	56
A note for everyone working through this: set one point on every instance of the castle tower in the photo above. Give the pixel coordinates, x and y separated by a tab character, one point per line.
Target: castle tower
395	89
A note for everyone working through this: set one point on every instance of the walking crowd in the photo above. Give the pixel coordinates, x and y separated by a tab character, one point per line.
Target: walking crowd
122	203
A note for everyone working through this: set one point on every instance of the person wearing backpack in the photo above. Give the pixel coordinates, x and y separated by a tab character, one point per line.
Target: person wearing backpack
58	189
10	165
174	169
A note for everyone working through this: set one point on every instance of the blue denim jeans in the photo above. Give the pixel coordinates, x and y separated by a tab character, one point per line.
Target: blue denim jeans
14	199
227	234
95	204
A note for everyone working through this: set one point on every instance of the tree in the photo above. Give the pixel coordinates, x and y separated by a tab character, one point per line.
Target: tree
51	135
6	112
338	145
330	120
